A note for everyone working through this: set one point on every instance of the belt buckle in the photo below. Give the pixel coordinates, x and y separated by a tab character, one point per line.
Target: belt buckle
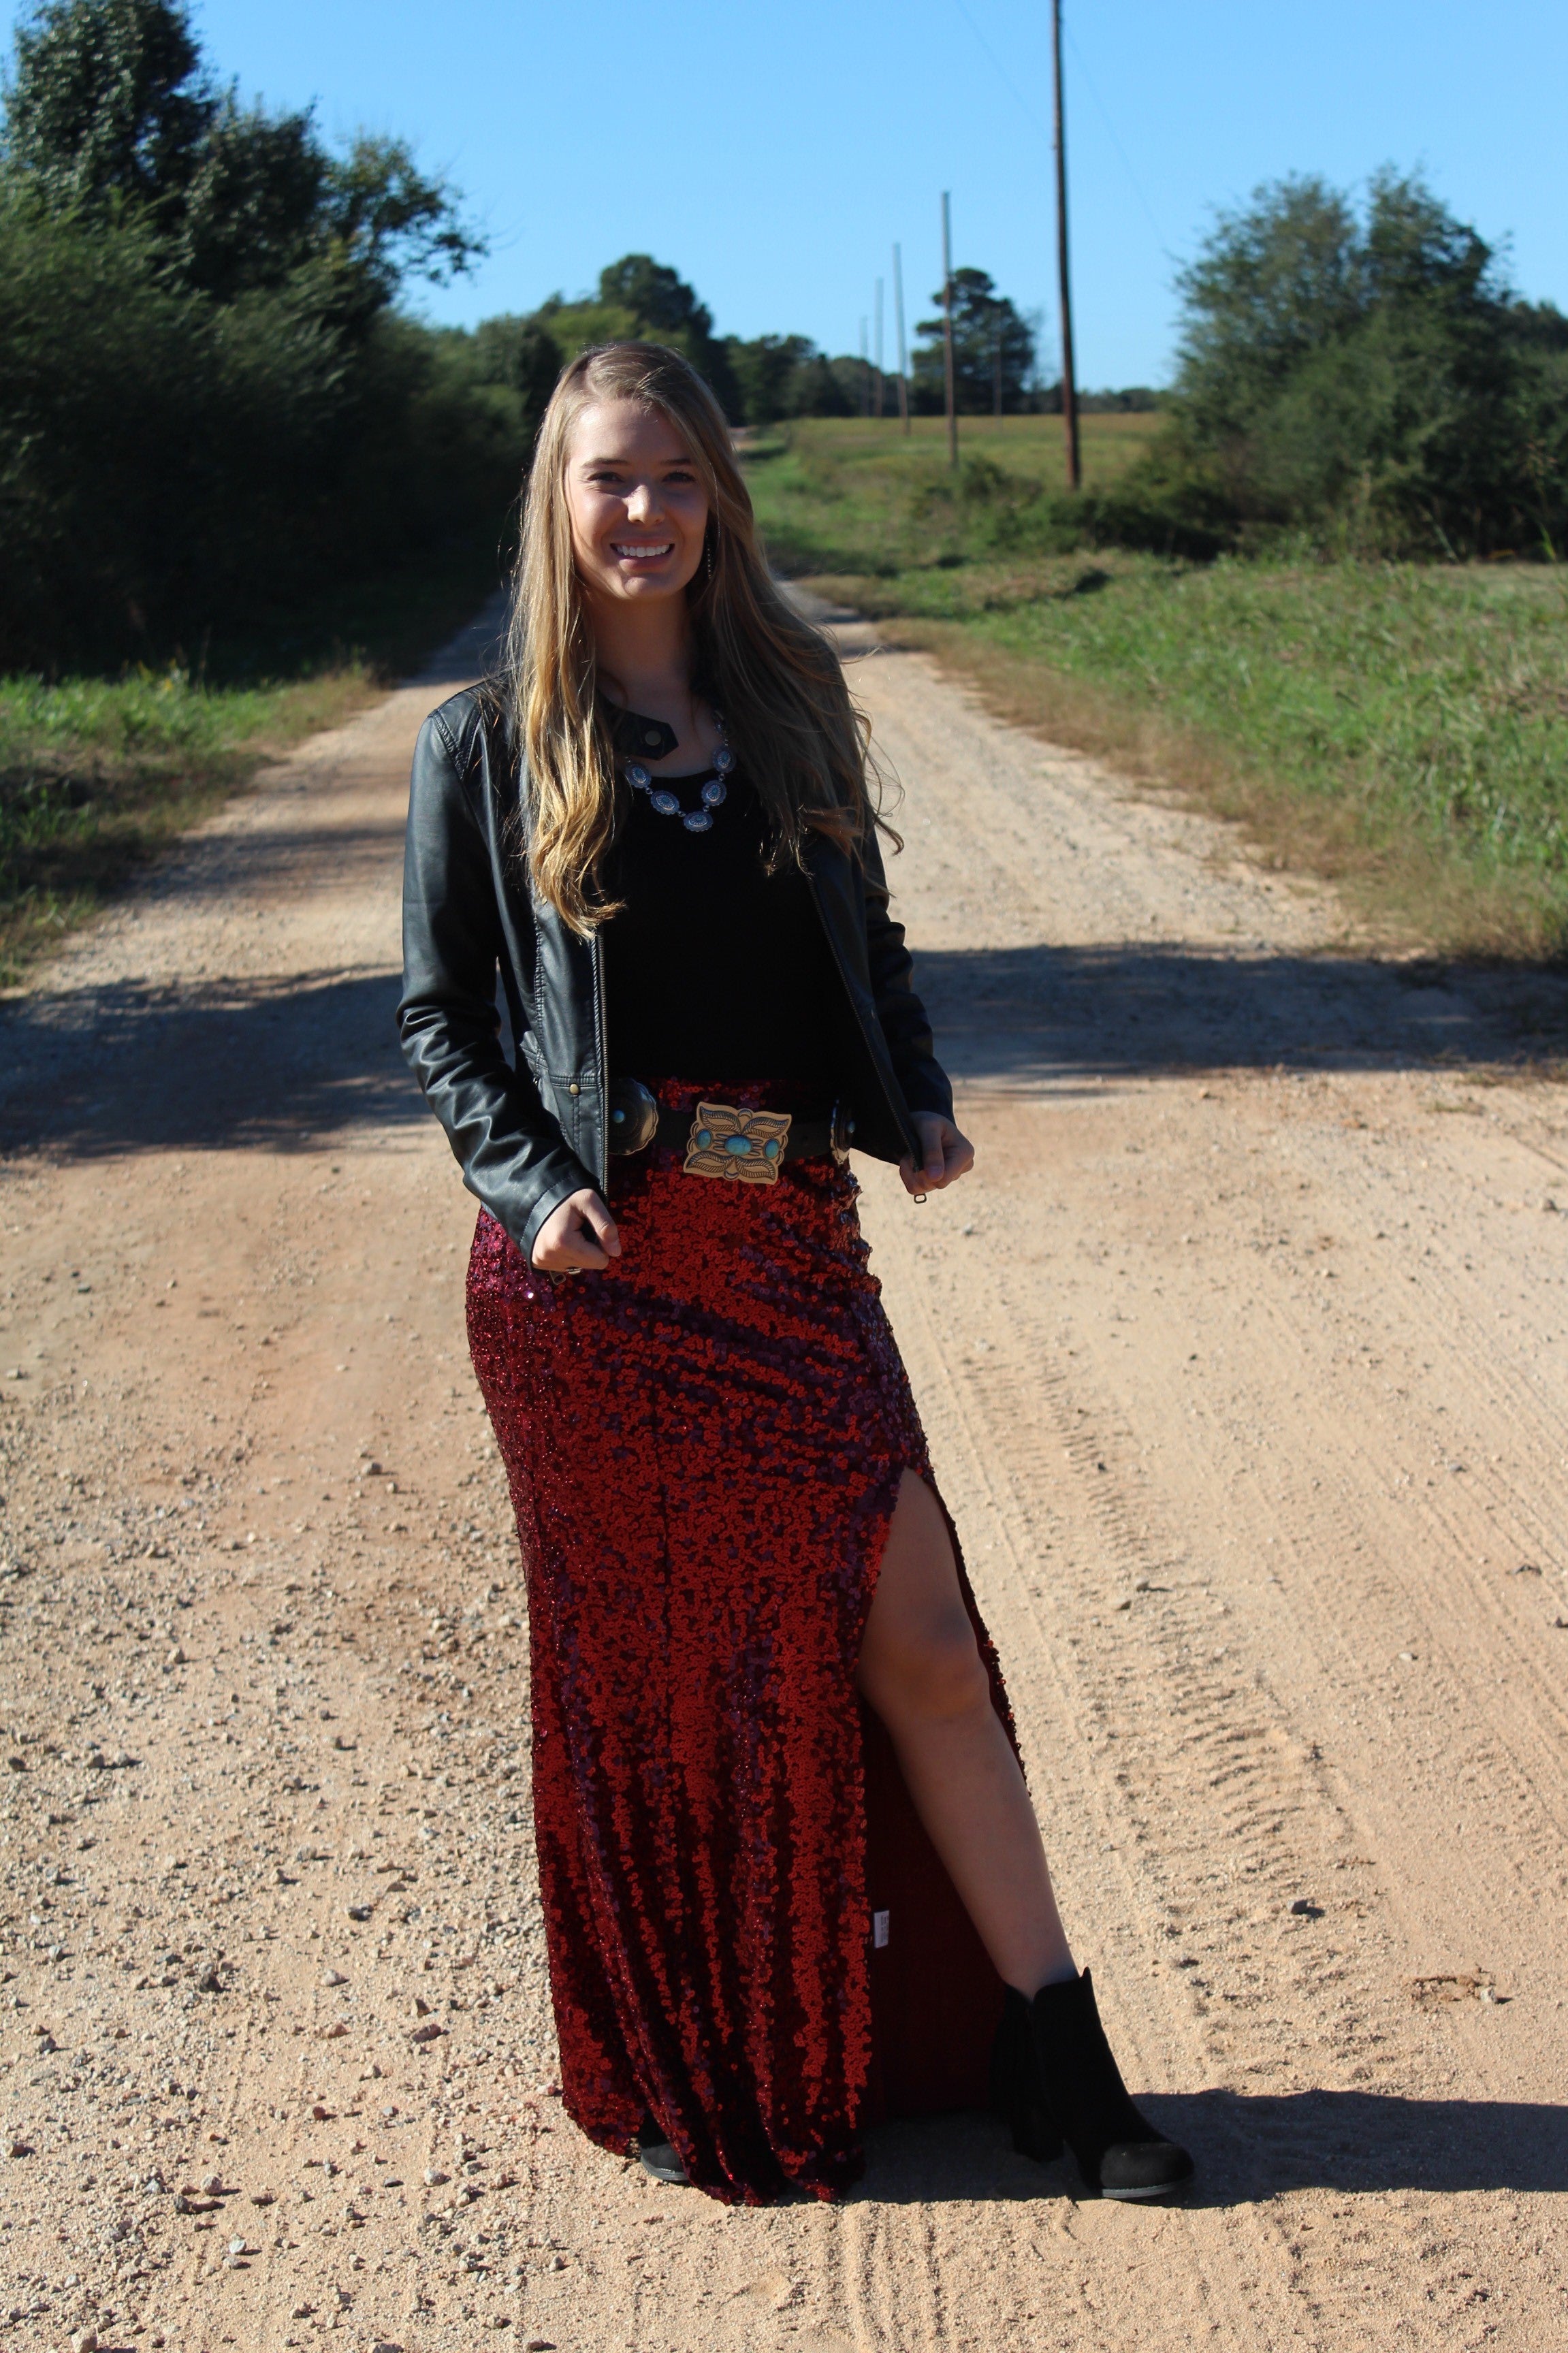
741	1146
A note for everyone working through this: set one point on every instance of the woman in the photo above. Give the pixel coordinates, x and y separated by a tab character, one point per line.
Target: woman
791	1875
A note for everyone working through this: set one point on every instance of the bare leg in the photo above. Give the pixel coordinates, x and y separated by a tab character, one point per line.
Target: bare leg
921	1671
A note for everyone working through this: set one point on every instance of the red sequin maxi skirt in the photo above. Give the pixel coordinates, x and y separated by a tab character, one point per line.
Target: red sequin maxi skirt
751	1939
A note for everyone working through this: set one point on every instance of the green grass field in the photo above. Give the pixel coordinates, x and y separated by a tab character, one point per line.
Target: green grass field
851	494
97	773
1403	728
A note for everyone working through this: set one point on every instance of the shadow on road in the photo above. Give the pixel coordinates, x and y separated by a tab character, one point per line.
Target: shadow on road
231	1063
1049	1014
1253	2146
261	1063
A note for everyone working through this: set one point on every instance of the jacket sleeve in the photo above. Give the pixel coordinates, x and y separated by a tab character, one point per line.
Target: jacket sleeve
511	1151
905	1025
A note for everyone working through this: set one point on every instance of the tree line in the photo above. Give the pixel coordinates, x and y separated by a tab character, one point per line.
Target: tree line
215	404
769	378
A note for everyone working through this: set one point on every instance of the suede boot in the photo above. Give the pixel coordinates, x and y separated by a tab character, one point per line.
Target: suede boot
1055	2079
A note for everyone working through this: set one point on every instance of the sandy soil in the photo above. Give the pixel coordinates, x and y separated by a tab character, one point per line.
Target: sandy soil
1243	1357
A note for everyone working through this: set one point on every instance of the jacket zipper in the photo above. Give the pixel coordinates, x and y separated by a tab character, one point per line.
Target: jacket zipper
602	1169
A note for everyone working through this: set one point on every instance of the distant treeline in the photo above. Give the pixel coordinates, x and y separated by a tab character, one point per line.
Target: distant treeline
213	407
771	378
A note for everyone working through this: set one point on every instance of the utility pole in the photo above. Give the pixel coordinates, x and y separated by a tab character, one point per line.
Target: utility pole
876	384
903	352
1069	384
947	328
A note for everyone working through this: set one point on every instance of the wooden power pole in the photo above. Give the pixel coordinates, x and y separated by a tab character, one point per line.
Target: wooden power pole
947	330
903	348
1070	383
877	387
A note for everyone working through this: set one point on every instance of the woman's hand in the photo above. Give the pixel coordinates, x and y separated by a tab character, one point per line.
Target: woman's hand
945	1154
578	1234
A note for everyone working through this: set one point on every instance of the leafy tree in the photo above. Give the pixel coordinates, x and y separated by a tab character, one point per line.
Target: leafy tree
251	212
1130	400
1372	375
521	353
208	404
785	375
106	100
110	112
987	334
643	301
389	223
573	327
830	387
1272	286
658	298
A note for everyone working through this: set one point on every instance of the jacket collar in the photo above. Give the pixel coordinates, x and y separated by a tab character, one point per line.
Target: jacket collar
637	738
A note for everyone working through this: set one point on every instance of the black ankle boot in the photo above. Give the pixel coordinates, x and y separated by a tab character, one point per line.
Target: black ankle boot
1053	2073
655	2156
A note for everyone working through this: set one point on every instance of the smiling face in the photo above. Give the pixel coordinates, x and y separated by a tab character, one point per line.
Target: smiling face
636	503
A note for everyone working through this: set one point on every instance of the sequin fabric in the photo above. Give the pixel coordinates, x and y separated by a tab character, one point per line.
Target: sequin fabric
704	1447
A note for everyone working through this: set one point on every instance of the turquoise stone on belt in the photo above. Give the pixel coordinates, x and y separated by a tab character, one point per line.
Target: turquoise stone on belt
746	1146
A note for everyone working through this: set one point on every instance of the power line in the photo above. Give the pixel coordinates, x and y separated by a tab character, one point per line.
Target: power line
1121	156
1002	70
1110	134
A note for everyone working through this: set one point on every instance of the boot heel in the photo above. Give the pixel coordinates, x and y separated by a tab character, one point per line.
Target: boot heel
1015	2084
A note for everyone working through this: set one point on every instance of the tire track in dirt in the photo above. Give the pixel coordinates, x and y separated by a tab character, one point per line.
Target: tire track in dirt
1258	1712
1229	1239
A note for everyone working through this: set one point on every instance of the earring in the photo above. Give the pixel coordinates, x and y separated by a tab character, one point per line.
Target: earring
707	554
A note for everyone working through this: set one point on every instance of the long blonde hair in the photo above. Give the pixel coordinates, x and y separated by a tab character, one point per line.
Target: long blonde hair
777	680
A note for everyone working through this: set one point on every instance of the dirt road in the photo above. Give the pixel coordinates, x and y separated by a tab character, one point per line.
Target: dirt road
1244	1357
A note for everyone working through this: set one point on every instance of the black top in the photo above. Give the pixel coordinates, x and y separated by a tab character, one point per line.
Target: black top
716	969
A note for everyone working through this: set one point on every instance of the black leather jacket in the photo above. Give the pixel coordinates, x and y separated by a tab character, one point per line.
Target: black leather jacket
526	1135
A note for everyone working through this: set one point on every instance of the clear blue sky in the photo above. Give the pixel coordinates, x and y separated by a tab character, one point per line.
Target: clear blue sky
773	152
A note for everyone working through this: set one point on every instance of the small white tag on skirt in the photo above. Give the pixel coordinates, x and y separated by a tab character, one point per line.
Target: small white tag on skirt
879	1929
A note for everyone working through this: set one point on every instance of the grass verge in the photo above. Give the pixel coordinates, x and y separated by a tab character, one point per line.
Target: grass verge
850	495
96	775
1402	729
